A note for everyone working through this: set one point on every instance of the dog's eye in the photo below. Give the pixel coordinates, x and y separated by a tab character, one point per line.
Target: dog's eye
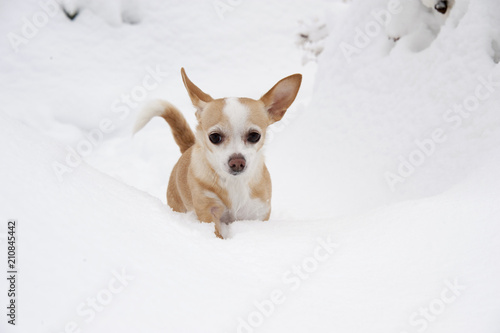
253	137
215	138
442	6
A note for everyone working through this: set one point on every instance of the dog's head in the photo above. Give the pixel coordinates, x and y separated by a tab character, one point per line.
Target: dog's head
233	130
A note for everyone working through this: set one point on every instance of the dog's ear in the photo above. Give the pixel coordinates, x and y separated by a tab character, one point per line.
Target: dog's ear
281	96
198	97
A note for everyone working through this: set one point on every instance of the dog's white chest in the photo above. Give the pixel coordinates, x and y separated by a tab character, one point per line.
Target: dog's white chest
243	206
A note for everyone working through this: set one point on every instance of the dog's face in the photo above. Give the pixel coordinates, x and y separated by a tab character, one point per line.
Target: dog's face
233	130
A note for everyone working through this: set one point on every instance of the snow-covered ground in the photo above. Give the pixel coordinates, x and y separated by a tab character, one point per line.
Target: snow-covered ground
386	186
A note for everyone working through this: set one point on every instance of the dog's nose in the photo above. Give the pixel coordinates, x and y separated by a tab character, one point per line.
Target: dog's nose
237	163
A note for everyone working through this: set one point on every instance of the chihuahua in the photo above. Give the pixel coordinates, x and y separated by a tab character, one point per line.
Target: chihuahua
221	175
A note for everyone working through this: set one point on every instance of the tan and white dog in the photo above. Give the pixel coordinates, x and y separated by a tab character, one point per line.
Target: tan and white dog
221	175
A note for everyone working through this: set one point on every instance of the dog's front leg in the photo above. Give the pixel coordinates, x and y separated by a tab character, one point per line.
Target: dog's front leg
209	210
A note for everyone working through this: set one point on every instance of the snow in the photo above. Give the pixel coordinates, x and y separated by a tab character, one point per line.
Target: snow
386	194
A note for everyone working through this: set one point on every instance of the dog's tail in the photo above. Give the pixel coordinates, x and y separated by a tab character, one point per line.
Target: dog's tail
183	135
